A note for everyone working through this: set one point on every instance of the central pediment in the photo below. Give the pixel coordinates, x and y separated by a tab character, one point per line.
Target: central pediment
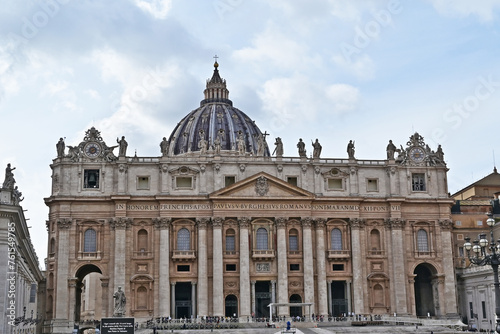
262	186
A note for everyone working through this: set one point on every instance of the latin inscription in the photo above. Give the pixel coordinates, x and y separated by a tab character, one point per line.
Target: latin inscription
257	206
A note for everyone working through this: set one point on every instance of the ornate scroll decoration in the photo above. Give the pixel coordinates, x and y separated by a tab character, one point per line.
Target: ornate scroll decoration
244	222
281	222
120	223
261	186
162	223
395	223
446	224
279	168
306	222
63	223
202	223
163	168
320	223
123	168
356	223
217	222
263	267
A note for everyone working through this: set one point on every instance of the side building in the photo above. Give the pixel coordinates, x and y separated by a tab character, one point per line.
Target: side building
475	283
216	226
22	282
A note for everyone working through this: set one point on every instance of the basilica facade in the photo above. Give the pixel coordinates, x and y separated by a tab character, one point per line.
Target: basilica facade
215	225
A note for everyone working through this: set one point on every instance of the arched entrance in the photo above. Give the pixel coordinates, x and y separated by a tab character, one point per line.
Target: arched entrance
425	296
88	296
231	306
295	311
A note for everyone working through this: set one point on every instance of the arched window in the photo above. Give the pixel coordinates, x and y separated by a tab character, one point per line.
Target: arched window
230	242
375	239
293	240
336	239
262	239
142	240
378	295
183	239
90	241
422	241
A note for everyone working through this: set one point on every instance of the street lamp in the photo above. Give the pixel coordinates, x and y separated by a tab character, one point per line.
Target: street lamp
484	252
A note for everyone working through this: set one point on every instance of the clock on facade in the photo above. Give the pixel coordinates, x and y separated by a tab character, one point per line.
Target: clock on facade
92	150
417	154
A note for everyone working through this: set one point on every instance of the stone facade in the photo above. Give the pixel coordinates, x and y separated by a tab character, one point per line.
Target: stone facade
22	284
225	229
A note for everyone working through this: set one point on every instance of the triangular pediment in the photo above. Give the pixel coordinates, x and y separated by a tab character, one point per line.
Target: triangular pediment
262	186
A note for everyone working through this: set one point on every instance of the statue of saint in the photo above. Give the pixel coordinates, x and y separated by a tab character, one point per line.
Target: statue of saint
302	148
279	147
120	301
316	149
164	147
241	143
123	146
60	148
440	153
9	180
202	145
350	149
217	145
391	149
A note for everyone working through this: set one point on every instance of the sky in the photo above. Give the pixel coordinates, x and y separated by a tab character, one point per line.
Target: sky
336	70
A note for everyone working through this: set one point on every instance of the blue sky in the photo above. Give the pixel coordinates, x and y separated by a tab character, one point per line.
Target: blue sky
335	70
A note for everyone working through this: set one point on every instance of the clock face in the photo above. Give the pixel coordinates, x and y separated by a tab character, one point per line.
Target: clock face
92	150
417	154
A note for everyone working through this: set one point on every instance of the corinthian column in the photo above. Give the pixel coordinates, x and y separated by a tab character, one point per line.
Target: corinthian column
245	300
398	265
307	243
218	280
62	297
282	266
202	268
163	225
120	225
321	267
450	304
357	266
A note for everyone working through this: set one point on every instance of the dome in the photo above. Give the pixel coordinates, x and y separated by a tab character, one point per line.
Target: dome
217	127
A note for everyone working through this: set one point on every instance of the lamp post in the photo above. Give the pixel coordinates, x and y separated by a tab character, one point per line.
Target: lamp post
484	252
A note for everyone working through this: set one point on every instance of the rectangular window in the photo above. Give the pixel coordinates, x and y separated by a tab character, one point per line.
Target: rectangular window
183	267
293	243
229	180
335	184
418	182
371	185
471	309
338	267
91	178
460	237
184	182
479	223
292	180
294	267
230	244
483	305
230	267
458	223
461	251
143	183
33	293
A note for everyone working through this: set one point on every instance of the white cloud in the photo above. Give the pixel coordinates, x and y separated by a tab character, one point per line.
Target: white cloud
156	8
361	66
484	10
293	100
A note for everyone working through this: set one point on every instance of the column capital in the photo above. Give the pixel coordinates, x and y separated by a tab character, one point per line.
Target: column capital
202	222
356	223
172	283
281	222
120	223
162	223
244	222
306	221
320	222
63	223
217	222
395	223
446	224
72	282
